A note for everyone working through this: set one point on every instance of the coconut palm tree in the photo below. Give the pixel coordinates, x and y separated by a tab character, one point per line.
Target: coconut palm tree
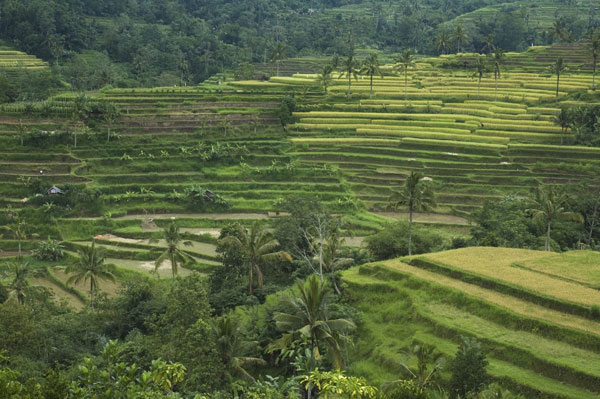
173	253
19	287
405	60
564	120
429	365
594	49
18	231
460	35
278	54
306	318
480	68
442	41
548	206
324	78
331	262
232	346
417	196
370	67
557	68
497	60
90	266
258	246
350	69
488	44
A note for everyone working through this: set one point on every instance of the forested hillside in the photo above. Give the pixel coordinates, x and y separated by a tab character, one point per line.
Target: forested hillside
156	42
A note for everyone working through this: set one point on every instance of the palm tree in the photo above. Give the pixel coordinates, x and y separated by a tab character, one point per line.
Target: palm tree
173	253
18	231
331	262
547	206
90	266
417	195
324	78
278	54
307	319
564	120
557	68
231	346
405	60
558	30
258	246
370	67
480	68
19	286
442	41
429	365
497	60
488	44
594	49
460	35
349	66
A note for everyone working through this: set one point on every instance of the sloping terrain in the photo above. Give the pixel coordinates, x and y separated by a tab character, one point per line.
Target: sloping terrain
537	341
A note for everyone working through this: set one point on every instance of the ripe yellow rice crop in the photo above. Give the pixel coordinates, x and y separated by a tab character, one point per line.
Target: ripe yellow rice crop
497	264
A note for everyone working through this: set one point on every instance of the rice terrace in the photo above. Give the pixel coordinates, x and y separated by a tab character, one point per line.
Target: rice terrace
341	199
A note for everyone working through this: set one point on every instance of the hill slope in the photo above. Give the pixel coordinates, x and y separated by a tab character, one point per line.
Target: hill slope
533	346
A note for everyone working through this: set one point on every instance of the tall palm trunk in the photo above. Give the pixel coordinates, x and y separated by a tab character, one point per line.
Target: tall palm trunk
371	93
405	82
594	74
557	80
496	88
547	246
349	83
479	87
92	293
251	283
410	221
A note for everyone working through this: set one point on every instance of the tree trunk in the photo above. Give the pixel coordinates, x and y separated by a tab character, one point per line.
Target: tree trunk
371	93
92	293
479	87
410	220
547	246
335	287
405	82
349	84
557	80
594	74
277	67
108	135
259	277
173	266
19	248
251	282
496	88
75	135
321	259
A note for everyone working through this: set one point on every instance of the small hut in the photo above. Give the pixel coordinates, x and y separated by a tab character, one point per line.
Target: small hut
54	190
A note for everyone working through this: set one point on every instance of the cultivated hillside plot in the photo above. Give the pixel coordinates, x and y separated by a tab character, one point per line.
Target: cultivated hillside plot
543	338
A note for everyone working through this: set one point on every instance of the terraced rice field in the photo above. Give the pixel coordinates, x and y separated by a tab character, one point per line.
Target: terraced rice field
535	349
14	63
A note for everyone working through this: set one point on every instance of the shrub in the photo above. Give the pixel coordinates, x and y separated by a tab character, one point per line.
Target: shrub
392	241
50	250
468	369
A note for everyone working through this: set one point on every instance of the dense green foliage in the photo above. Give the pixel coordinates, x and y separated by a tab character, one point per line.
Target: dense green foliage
163	43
